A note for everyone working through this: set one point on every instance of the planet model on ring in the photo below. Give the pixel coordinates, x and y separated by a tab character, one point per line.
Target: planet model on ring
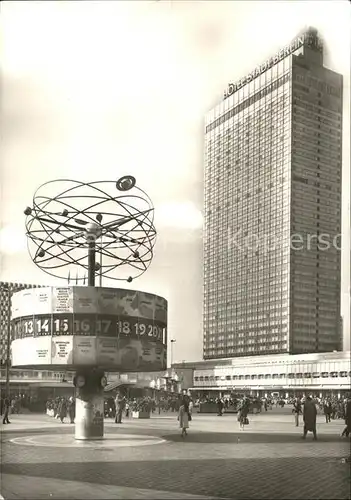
67	216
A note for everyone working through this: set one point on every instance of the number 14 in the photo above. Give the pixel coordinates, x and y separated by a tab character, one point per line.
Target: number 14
43	325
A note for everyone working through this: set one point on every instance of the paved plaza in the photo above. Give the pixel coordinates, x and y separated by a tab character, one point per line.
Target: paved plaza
149	459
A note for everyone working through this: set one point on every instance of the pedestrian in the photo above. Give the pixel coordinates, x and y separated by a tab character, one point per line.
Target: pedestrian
327	411
333	410
6	409
57	407
127	409
184	417
243	413
71	409
347	430
220	406
62	410
120	403
297	410
191	406
309	418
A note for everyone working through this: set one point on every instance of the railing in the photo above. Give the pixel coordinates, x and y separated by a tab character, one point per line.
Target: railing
316	378
35	375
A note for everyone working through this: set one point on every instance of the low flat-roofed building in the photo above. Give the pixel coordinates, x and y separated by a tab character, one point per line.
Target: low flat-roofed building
286	374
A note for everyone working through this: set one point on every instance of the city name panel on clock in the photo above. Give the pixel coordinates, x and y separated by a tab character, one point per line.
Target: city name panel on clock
113	328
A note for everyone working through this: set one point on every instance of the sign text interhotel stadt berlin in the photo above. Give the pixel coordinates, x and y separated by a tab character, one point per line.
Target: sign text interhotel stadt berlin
309	37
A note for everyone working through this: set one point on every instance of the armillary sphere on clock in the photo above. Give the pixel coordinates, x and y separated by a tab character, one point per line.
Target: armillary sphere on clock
76	230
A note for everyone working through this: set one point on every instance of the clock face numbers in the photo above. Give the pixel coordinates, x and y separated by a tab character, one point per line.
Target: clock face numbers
135	328
62	324
42	326
17	332
83	325
106	326
87	325
27	327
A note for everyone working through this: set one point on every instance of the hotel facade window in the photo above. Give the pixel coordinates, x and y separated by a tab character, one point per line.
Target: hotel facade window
272	170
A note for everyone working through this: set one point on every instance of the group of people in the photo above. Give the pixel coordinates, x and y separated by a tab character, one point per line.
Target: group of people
116	406
62	408
12	405
255	405
332	409
308	409
120	404
184	406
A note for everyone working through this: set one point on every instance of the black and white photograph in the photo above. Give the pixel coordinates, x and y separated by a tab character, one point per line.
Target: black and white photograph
175	249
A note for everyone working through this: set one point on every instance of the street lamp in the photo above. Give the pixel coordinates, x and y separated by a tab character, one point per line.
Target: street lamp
8	290
172	342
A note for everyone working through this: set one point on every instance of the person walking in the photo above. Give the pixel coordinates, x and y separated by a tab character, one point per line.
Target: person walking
243	413
71	409
120	403
6	409
327	411
297	410
309	418
184	417
347	430
127	409
62	410
14	406
191	406
220	406
57	407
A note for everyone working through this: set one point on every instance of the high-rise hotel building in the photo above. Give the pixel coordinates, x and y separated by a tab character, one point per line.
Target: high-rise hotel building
273	209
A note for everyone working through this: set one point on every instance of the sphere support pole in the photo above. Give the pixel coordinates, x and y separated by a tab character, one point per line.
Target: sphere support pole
89	415
91	263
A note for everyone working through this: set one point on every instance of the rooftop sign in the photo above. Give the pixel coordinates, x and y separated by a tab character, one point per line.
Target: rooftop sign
297	43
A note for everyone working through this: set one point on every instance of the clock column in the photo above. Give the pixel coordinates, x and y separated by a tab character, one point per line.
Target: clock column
89	420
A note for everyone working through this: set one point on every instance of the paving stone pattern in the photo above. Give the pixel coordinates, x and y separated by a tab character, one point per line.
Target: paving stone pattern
214	461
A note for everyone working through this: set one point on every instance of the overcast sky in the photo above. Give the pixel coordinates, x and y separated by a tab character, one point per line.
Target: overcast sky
94	90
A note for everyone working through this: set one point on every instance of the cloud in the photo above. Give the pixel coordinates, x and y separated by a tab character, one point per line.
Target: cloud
182	215
12	240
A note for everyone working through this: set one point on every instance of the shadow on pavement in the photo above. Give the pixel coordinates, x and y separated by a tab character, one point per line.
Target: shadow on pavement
69	429
194	435
289	478
249	437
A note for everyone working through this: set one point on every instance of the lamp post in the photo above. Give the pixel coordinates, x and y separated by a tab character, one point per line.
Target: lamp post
172	342
8	335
